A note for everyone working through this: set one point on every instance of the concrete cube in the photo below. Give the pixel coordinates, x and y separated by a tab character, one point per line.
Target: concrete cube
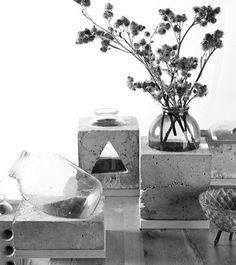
125	140
36	232
172	181
223	157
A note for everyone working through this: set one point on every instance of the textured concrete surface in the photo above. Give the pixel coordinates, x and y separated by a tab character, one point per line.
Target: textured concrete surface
223	155
171	182
124	139
35	230
223	159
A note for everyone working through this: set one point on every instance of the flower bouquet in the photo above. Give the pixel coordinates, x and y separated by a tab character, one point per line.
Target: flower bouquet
171	80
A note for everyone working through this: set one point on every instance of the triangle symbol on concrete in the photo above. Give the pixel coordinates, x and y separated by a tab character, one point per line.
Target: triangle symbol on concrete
109	161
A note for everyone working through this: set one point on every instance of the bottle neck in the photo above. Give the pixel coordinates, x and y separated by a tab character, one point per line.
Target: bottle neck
19	164
107	117
176	110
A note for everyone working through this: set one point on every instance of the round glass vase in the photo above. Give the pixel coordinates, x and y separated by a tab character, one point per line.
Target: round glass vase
175	130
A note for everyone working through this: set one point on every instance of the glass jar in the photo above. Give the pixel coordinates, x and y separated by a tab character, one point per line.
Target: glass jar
5	207
107	117
109	160
175	130
56	186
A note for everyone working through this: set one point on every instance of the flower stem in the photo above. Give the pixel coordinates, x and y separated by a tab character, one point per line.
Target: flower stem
161	129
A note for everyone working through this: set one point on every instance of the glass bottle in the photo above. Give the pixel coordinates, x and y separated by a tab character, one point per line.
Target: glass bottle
174	130
109	161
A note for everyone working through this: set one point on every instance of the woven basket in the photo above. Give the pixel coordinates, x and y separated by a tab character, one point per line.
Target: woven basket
219	206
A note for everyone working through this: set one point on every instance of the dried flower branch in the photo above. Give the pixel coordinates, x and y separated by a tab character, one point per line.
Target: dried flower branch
164	63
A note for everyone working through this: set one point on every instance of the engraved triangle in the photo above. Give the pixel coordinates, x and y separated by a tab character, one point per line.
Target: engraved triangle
109	161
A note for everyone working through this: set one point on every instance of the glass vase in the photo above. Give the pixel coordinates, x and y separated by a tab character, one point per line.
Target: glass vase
175	130
109	160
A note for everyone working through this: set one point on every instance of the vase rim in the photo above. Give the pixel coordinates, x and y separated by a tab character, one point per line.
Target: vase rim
175	109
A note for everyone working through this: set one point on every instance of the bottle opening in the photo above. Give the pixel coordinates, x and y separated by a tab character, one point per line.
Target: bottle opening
107	117
18	163
175	109
107	112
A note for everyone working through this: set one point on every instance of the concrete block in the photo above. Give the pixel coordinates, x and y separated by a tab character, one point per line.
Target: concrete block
125	140
172	181
223	158
35	230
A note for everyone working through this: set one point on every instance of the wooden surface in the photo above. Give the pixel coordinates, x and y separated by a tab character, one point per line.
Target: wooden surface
127	245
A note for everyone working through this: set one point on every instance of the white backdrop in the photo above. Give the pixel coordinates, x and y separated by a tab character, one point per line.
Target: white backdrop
47	81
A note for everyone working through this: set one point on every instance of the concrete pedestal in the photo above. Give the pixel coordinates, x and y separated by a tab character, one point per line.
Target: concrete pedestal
125	140
170	185
38	235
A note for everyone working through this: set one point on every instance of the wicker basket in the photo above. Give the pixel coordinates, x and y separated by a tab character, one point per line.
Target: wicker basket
219	206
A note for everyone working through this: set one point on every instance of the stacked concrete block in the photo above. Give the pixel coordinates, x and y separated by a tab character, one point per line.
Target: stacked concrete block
7	249
38	235
223	150
125	140
172	181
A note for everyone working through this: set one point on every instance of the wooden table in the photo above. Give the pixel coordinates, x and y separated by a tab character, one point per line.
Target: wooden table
125	244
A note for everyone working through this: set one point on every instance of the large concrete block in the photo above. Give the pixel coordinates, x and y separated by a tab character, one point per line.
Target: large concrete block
172	181
37	232
124	139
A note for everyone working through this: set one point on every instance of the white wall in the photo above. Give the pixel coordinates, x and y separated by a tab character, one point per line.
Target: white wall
47	81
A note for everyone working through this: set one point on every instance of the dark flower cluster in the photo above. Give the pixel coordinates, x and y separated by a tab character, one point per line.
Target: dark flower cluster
146	86
168	16
89	35
182	88
166	52
108	14
84	3
85	36
212	41
144	49
163	27
200	90
136	28
123	21
206	14
185	63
